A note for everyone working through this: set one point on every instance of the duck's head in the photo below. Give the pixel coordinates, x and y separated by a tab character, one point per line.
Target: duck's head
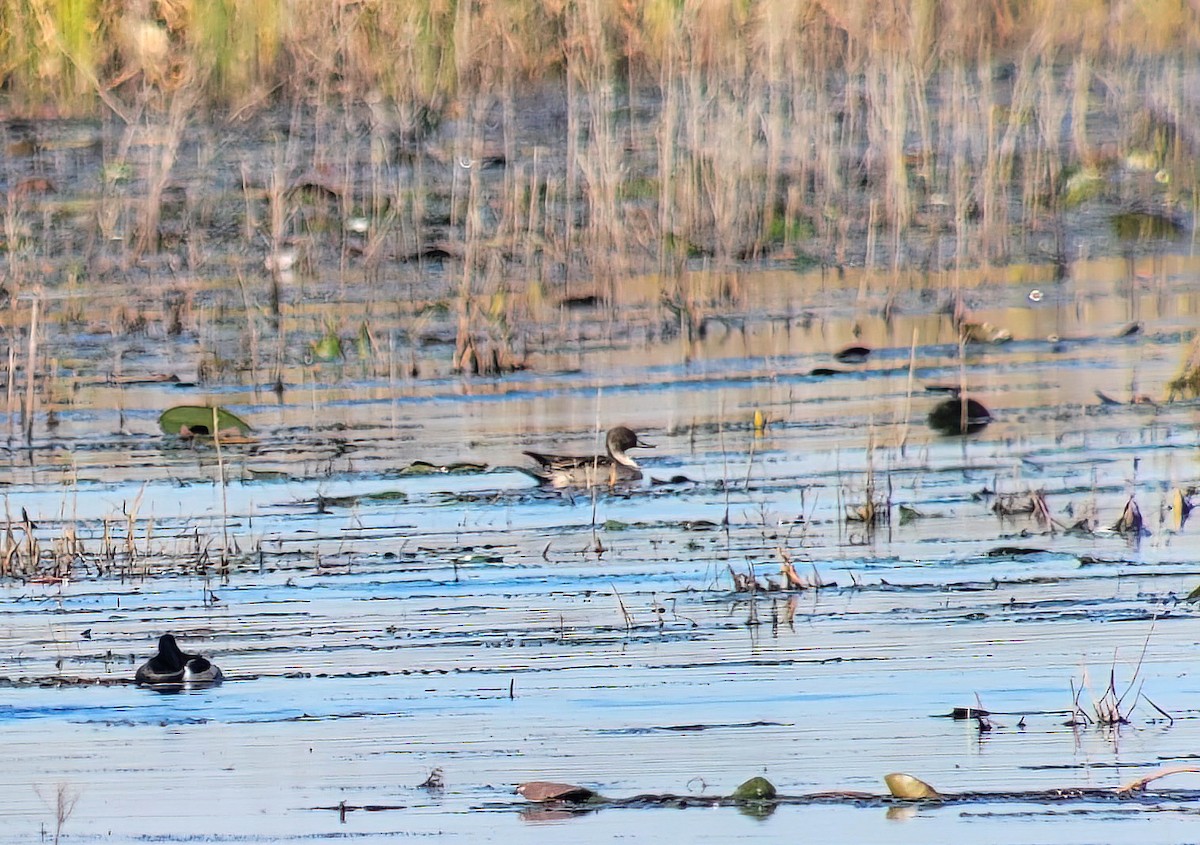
167	647
200	670
622	438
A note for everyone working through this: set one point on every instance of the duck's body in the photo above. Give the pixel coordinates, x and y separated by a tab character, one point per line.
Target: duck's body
591	470
173	666
959	416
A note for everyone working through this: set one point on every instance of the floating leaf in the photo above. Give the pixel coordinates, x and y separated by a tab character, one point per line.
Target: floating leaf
755	789
909	787
541	791
198	420
615	525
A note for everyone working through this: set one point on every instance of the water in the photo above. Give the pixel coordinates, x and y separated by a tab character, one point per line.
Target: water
375	625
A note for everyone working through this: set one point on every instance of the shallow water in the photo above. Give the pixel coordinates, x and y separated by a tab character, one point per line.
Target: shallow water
375	625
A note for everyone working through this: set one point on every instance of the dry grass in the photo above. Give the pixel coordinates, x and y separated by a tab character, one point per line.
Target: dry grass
509	150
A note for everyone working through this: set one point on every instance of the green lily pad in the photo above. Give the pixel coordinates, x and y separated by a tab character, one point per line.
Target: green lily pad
755	789
197	420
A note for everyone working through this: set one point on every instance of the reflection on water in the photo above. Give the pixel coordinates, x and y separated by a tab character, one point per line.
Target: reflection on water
375	624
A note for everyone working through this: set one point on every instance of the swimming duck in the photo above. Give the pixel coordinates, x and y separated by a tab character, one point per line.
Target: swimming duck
173	666
587	471
959	416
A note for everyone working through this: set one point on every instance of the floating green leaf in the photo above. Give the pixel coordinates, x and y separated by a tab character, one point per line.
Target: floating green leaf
755	789
198	421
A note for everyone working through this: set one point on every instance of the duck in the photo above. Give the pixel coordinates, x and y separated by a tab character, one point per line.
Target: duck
959	416
561	471
171	665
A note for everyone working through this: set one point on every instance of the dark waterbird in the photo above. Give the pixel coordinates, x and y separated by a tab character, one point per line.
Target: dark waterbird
172	666
959	416
591	470
852	354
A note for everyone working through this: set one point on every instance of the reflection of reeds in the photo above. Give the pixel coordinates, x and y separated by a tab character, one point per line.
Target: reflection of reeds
31	370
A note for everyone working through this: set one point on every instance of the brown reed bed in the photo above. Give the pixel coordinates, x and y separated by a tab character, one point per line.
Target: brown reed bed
495	162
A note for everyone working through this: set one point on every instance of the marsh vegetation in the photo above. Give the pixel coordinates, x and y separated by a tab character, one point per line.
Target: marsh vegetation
288	288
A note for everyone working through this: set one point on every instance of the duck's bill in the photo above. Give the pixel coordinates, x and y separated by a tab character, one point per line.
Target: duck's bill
642	444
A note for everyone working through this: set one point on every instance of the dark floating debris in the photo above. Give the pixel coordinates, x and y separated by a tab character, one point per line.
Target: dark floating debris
343	808
1130	329
952	389
456	468
578	302
852	355
674	479
1014	551
962	713
826	371
1136	399
959	416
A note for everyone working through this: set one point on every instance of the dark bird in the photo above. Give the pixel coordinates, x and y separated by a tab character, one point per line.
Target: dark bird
591	470
852	354
959	416
173	666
